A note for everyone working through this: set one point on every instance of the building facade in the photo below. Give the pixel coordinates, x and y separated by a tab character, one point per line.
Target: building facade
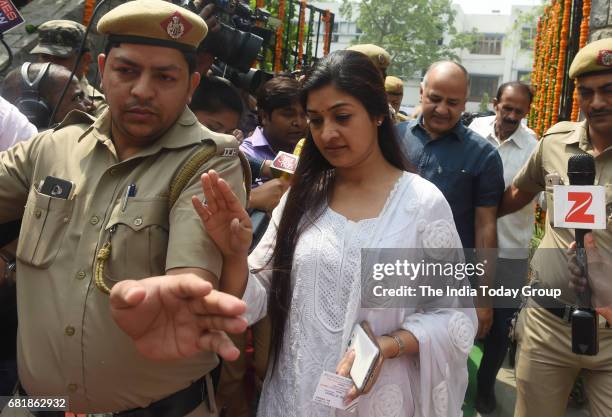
502	51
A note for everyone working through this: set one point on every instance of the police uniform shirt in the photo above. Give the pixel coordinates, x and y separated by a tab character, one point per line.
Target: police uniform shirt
68	343
553	151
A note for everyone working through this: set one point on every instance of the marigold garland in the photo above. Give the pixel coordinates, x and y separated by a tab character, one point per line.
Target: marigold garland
539	75
278	50
88	9
535	73
561	60
584	36
327	19
301	29
551	60
544	82
552	66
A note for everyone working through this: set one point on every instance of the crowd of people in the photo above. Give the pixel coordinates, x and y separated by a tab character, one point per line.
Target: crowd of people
156	262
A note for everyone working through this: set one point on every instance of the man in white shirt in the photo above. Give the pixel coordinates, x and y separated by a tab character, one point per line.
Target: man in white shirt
14	126
515	143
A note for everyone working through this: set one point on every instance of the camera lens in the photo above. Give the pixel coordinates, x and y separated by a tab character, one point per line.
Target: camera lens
234	47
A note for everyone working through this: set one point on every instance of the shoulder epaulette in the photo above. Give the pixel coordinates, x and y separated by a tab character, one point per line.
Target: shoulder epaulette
226	145
562	127
76	117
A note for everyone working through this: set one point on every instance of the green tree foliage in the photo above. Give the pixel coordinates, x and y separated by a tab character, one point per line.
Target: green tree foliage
484	103
524	28
415	33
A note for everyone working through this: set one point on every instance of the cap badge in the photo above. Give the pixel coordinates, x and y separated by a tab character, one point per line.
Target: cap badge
176	26
605	58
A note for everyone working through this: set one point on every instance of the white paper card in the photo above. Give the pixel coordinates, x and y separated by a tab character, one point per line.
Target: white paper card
580	206
331	391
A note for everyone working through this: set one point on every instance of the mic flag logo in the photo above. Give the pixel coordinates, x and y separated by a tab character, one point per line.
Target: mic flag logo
9	16
285	162
580	206
578	213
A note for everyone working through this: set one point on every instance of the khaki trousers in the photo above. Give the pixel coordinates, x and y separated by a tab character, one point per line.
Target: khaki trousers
232	393
546	367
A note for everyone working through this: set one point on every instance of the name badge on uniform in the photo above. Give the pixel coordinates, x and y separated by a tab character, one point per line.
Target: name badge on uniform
229	152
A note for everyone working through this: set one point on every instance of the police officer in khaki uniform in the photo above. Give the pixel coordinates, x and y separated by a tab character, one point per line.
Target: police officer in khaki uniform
395	92
102	211
546	366
379	56
381	59
59	42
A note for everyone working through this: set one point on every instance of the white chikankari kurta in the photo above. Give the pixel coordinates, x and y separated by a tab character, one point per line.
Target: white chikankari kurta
326	303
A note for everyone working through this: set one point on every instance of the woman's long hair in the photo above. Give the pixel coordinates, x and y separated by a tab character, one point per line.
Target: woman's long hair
352	73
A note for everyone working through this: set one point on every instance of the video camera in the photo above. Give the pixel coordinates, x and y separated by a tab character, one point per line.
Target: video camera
240	39
249	81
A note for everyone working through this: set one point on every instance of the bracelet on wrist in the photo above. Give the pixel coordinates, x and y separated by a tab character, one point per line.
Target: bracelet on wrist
401	347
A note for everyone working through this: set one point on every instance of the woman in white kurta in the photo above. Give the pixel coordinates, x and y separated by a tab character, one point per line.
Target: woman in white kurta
364	199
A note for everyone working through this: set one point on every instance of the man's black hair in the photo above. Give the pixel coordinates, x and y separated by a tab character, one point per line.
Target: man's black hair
280	91
515	84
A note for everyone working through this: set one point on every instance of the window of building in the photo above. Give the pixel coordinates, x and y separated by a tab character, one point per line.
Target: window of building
335	32
487	44
481	84
528	35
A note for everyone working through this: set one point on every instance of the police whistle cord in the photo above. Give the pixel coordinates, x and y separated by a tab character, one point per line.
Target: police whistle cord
101	258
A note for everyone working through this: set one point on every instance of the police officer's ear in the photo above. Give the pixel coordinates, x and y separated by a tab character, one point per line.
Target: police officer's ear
194	81
101	62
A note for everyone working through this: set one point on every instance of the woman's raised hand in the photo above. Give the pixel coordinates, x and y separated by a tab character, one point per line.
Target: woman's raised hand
225	220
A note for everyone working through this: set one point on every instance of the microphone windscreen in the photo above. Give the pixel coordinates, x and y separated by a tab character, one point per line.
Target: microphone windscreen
581	169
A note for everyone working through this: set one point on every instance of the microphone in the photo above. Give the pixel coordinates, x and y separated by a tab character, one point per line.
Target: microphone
581	171
585	337
283	167
296	152
285	164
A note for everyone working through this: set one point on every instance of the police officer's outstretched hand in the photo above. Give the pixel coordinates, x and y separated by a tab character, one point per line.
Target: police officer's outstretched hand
177	316
226	221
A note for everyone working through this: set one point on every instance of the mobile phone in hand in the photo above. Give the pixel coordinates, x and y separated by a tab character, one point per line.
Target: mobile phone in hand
367	355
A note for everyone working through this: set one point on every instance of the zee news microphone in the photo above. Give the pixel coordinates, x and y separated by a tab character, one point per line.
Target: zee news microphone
585	337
